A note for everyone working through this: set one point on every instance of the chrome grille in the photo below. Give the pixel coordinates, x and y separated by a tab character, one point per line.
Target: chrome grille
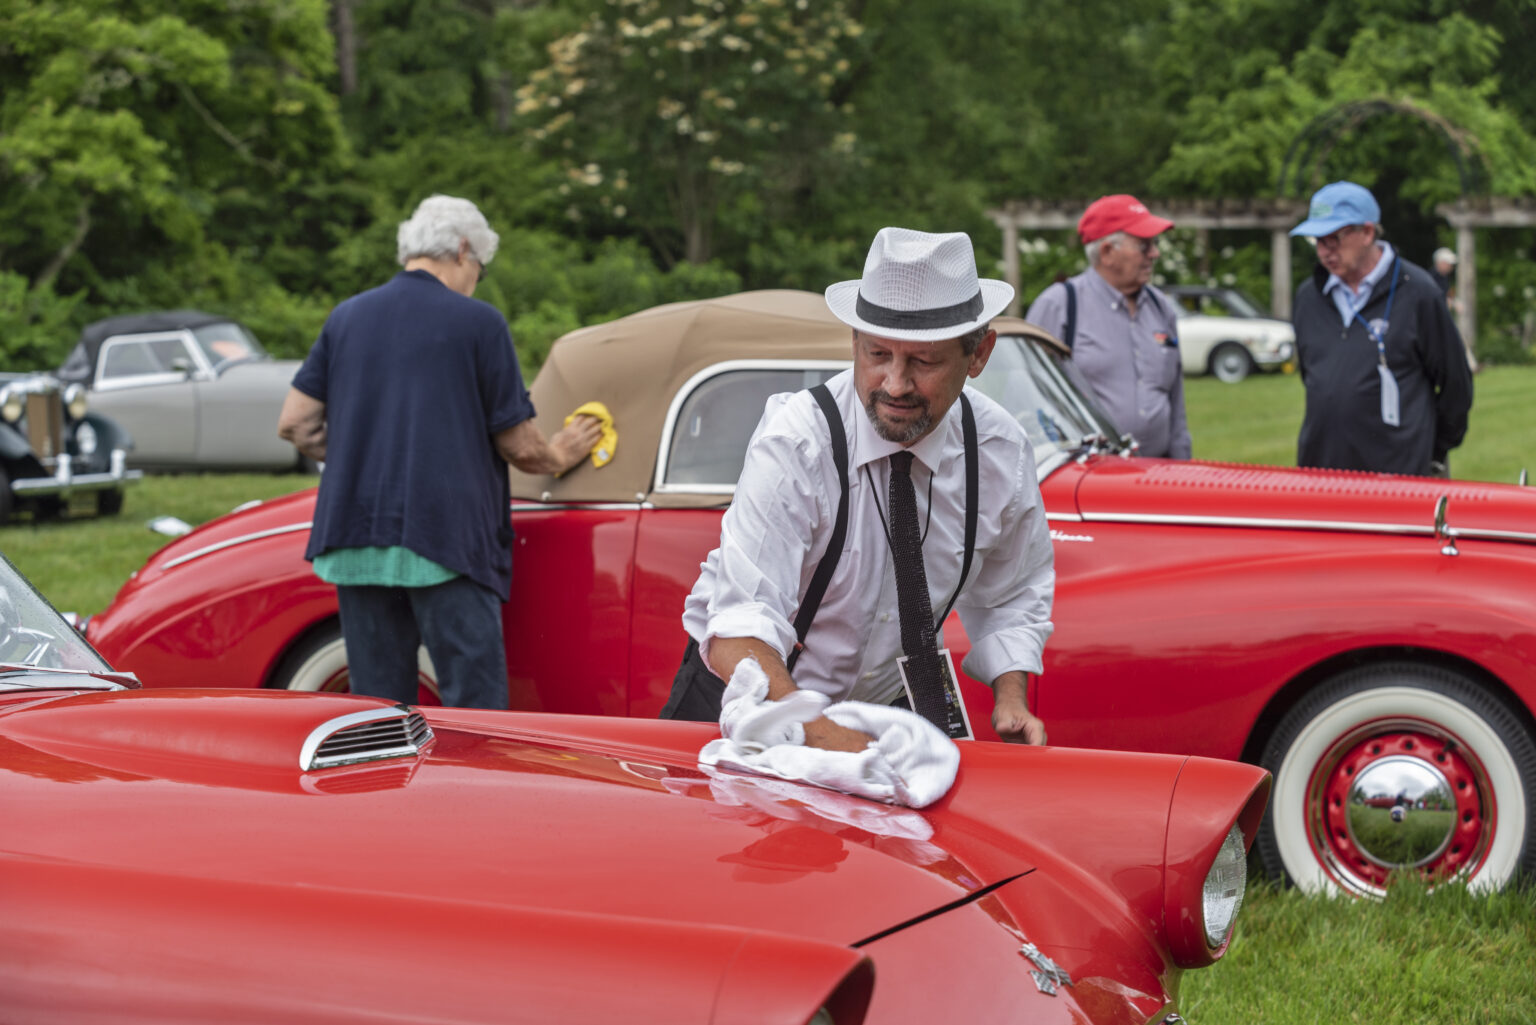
369	736
45	424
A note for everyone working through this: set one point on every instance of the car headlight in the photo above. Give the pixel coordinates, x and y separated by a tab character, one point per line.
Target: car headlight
74	401
86	440
1225	885
12	402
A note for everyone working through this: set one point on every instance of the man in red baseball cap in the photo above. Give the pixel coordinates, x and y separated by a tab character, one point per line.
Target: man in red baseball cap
1122	331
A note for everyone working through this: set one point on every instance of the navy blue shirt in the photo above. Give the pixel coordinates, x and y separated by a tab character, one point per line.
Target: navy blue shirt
416	379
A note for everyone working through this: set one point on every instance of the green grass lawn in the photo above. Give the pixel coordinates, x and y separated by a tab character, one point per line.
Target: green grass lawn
1256	421
1420	956
80	561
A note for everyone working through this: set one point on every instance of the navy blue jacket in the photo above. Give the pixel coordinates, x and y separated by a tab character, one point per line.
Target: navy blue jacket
1342	428
416	379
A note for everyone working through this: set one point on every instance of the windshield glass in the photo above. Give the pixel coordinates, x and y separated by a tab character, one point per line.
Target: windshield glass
1035	385
225	343
32	633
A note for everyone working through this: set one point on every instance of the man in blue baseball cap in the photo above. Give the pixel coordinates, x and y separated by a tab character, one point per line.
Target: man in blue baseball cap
1386	376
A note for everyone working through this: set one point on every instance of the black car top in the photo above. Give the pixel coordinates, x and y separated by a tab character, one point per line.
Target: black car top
81	364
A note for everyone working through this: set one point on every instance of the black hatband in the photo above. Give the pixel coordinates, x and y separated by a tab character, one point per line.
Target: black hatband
920	320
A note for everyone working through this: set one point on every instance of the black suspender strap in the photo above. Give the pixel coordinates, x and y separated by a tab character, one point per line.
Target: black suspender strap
834	552
1071	330
829	559
972	500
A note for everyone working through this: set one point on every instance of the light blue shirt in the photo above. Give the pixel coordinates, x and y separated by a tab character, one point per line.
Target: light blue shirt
1349	303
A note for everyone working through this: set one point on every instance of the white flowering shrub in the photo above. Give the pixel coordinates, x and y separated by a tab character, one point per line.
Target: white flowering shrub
663	110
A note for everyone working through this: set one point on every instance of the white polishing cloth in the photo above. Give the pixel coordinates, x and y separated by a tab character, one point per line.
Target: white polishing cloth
910	762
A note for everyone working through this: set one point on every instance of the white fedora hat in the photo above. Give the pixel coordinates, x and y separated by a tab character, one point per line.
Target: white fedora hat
919	287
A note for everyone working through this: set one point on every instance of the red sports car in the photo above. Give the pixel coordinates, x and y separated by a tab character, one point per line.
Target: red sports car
256	856
1356	634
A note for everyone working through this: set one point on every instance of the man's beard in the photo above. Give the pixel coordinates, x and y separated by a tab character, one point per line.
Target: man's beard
901	436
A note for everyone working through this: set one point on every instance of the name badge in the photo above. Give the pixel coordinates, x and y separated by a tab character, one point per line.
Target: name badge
1389	399
957	724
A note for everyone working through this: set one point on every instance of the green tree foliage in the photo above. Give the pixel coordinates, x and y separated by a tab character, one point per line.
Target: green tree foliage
665	113
1252	77
255	158
154	152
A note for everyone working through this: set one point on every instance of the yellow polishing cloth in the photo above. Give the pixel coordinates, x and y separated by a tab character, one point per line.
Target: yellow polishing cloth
602	455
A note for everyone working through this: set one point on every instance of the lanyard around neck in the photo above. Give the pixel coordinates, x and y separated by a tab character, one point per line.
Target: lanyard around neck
1378	337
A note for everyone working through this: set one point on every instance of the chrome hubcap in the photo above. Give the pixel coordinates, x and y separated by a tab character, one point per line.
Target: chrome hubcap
1401	812
1399	796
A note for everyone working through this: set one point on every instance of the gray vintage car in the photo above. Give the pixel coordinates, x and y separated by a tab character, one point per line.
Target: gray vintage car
53	446
195	390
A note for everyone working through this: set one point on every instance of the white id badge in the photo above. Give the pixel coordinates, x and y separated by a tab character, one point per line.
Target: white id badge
1389	401
958	724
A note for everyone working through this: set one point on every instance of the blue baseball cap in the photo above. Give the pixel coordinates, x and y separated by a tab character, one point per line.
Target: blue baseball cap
1338	205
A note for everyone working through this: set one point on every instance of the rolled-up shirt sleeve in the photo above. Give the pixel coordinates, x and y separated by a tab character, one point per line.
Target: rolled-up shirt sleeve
762	564
1007	610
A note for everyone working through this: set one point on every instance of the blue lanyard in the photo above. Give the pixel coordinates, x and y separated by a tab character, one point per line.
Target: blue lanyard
1381	341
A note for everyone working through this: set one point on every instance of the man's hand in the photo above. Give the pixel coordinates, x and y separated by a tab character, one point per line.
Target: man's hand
302	424
725	652
573	442
525	447
1011	717
829	736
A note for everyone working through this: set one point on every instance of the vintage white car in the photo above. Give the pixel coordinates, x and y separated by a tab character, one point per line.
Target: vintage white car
195	390
1225	333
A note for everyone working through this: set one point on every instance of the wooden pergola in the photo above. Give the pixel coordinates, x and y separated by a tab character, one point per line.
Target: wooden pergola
1466	215
1276	216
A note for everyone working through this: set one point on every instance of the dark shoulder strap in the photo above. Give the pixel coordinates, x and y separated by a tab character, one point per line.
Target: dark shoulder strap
834	552
972	498
1070	335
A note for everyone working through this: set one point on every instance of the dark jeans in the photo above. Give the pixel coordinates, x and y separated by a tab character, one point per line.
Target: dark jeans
460	623
697	692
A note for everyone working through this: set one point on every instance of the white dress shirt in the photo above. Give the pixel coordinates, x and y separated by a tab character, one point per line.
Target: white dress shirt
777	528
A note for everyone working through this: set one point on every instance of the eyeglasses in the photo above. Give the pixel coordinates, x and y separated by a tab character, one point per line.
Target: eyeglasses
1332	241
1146	245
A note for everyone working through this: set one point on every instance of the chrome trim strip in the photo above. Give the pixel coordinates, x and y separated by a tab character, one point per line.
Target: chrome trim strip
1405	529
674	410
219	546
518	507
202	370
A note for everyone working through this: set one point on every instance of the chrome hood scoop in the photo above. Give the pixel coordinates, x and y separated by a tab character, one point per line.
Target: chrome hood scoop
1238	494
219	738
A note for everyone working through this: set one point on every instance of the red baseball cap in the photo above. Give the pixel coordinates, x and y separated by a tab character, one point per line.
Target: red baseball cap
1119	213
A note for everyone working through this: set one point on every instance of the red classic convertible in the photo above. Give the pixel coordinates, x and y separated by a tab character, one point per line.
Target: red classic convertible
244	856
1359	635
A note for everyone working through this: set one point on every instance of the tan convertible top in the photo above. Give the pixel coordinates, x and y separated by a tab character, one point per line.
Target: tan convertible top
635	365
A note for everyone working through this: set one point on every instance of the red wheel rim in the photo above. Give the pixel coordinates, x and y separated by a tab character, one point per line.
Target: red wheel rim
1374	746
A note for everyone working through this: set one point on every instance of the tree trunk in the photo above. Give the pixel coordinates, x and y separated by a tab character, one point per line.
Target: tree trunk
69	249
346	46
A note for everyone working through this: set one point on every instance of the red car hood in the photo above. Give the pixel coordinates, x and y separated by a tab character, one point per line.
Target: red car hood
164	847
536	811
1153	490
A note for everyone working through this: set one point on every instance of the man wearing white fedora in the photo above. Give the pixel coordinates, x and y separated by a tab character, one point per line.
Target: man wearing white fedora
867	511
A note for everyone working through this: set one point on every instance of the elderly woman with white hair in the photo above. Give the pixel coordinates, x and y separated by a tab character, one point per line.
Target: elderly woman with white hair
413	399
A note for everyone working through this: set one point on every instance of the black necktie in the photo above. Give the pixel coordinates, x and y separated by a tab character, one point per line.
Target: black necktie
916	608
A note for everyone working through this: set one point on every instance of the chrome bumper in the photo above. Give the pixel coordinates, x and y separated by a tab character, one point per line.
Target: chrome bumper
1277	357
65	480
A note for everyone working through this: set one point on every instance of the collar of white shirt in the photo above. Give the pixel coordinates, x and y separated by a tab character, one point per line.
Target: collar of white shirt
869	447
1349	302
